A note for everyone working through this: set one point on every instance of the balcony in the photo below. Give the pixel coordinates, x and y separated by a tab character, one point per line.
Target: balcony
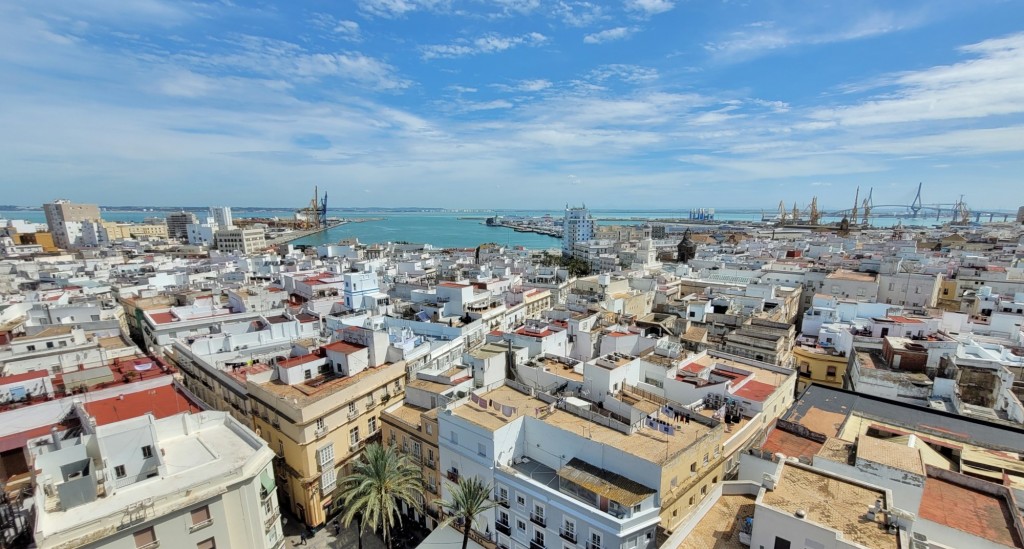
501	500
431	463
150	545
321	432
452	475
567	535
200	525
271	520
536	544
352	414
593	545
538	520
503	528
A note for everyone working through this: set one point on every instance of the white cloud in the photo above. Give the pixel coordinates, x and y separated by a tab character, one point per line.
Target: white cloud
650	7
347	29
398	8
485	106
632	74
609	35
578	14
763	37
490	43
991	84
533	85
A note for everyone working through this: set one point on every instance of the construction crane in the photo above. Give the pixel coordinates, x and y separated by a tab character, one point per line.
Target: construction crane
867	205
796	213
782	212
813	215
315	213
961	214
853	212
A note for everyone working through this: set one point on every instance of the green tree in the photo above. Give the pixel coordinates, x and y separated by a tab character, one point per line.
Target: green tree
469	499
379	481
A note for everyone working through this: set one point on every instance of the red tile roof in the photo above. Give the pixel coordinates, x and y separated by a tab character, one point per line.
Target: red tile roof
344	347
18	440
34	374
755	390
162	318
298	360
161	402
961	508
790	445
453	285
543	333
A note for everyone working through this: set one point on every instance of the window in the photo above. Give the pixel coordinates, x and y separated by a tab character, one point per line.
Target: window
320	424
325	454
308	374
31	348
49	344
693	467
704	490
831	372
147	451
480	449
430	429
145	538
327	481
206	544
416	451
119	471
454	437
353	436
200	518
705	459
520	501
714	479
636	508
595	540
398	385
538	536
351	408
371	425
691	501
520	525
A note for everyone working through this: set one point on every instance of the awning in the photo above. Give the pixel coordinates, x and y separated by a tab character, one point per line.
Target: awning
605	483
267	480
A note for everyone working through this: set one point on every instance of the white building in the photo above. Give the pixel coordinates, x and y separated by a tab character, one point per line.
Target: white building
190	480
578	226
202	234
64	218
222	217
247	241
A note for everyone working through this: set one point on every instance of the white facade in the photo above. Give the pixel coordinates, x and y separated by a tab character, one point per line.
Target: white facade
578	226
222	217
190	480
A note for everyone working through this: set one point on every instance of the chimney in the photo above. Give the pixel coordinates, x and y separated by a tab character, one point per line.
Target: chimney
55	436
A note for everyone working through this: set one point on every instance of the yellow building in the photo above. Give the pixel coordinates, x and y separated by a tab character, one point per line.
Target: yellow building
819	365
43	239
320	424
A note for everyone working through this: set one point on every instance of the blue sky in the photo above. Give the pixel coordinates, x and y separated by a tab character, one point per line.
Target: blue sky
511	103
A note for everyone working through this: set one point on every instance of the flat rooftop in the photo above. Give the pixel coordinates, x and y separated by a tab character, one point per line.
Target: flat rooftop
984	515
831	502
558	368
645	443
318	388
408	413
720	527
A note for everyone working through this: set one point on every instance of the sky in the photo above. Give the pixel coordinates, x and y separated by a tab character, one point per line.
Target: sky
628	104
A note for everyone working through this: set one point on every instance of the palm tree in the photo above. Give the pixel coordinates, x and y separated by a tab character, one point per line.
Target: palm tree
379	480
470	498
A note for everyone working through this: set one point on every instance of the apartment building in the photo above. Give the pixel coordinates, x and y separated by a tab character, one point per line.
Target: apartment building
64	219
247	241
178	222
318	410
190	480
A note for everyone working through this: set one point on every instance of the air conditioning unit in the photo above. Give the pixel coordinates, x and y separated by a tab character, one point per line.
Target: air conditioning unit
919	541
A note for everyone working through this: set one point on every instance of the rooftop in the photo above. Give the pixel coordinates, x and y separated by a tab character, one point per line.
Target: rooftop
719	529
162	402
843	274
897	456
831	502
645	443
972	511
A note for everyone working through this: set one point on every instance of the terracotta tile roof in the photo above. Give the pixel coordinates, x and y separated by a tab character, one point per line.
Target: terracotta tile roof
790	444
298	360
897	456
975	512
344	347
34	374
755	390
161	402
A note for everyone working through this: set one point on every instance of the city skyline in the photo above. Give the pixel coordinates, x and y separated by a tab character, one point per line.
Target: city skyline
513	103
